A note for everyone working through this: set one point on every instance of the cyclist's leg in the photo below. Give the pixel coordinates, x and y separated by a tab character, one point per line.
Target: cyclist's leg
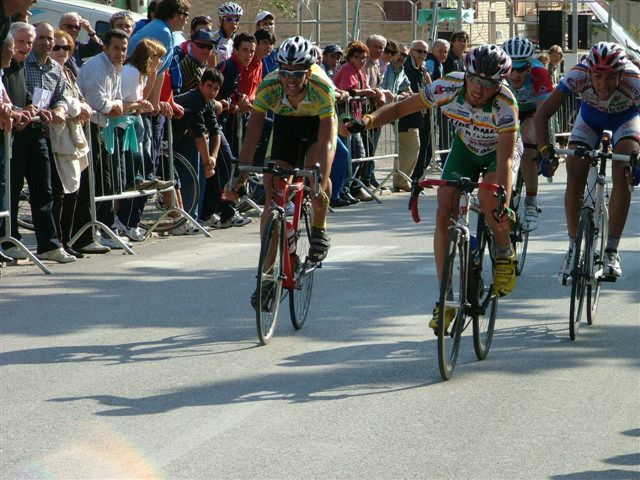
322	153
626	140
529	171
584	134
458	164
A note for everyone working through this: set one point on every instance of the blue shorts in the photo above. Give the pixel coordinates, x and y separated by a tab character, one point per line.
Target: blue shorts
590	123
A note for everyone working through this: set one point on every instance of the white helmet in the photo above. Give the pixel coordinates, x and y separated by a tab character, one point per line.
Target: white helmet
607	57
297	51
518	48
230	8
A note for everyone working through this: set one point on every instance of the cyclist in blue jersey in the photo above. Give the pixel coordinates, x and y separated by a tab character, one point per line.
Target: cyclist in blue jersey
609	87
531	84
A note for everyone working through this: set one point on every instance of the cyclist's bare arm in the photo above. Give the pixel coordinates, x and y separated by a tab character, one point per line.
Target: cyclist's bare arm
544	113
505	152
393	111
324	150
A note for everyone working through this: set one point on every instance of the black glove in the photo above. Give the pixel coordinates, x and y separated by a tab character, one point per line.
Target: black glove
357	126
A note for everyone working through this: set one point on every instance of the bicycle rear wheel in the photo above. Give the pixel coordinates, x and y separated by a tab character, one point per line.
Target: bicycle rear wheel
156	204
519	236
600	235
25	219
484	303
580	273
303	270
269	284
452	295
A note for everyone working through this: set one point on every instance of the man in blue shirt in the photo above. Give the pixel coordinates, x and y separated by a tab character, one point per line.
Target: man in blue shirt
171	15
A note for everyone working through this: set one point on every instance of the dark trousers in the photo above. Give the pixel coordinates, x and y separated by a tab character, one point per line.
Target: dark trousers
213	201
424	156
64	206
82	214
30	160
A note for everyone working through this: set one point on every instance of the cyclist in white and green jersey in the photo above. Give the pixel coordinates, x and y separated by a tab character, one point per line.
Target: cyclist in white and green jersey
485	114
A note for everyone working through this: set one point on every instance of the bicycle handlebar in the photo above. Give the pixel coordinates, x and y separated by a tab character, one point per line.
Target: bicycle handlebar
597	154
273	169
464	184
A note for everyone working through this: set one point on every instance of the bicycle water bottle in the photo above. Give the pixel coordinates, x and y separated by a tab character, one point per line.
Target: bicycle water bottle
474	250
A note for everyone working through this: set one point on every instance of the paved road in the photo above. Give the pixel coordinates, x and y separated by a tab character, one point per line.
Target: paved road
148	366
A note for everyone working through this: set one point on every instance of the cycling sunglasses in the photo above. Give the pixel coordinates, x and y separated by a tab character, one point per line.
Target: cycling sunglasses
521	69
483	82
231	19
296	74
66	48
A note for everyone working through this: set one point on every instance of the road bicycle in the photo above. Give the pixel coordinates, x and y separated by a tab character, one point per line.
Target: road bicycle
284	266
467	279
587	262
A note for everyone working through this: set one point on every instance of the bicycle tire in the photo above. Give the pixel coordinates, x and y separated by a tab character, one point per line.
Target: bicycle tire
480	292
600	242
25	218
269	278
580	273
303	270
519	236
154	209
453	276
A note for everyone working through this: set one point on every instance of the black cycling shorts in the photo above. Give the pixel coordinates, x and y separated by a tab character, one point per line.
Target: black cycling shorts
292	137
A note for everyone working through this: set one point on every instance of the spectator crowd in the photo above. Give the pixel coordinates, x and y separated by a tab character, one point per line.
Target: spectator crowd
128	83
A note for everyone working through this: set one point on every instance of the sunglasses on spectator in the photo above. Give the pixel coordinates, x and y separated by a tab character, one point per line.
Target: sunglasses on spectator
403	55
231	19
483	82
521	69
295	74
419	50
73	27
184	13
66	48
390	52
206	46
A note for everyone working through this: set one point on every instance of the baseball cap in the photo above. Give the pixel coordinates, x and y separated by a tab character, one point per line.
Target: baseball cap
263	14
332	48
202	36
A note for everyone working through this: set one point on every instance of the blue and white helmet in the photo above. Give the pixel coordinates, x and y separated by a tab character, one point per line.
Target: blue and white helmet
297	51
230	8
518	48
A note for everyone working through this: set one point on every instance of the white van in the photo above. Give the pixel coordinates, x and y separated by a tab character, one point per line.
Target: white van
97	14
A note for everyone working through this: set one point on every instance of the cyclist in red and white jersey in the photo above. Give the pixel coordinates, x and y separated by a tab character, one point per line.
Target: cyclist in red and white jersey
531	84
485	114
609	87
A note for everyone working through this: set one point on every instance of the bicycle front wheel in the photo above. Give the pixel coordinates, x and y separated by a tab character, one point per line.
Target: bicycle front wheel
580	273
483	302
451	303
303	270
25	219
600	235
269	279
519	236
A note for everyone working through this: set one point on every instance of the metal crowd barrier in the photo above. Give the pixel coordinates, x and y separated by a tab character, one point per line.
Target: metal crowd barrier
255	180
114	187
6	214
379	144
